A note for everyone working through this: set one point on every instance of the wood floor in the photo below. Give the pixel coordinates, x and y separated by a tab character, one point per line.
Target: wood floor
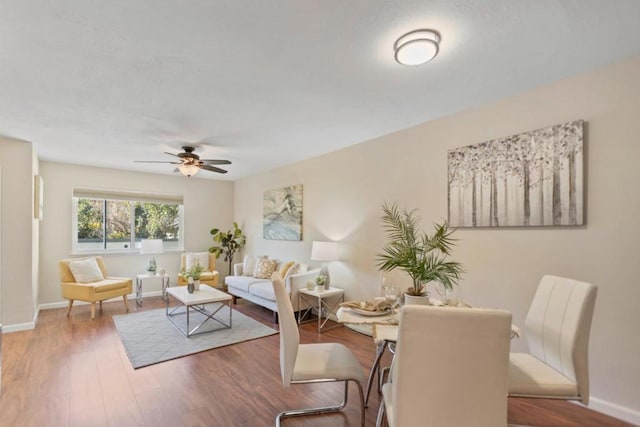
75	372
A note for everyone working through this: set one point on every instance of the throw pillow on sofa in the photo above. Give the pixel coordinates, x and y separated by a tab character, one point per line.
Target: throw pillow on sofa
265	268
249	264
201	258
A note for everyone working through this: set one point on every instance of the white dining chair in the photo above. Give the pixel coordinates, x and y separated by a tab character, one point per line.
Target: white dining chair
313	363
557	330
385	338
450	368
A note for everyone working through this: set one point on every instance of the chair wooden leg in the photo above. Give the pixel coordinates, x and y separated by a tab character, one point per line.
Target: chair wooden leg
126	303
234	299
100	306
93	310
69	307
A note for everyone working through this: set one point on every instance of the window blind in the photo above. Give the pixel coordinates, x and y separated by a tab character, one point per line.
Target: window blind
134	196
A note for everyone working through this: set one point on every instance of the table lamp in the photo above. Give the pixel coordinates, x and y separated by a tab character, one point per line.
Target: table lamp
324	251
150	247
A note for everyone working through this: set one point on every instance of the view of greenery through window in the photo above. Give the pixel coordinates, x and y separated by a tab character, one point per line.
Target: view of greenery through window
98	218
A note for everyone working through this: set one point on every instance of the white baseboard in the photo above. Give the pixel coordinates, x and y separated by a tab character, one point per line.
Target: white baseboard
65	303
151	294
621	412
52	305
61	304
17	327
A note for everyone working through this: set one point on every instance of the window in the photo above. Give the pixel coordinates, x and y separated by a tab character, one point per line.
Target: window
116	221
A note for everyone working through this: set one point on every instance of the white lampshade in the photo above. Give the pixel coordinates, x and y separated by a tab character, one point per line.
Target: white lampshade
417	47
324	251
151	246
188	169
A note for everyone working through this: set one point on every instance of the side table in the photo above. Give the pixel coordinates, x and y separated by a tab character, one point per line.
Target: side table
150	277
328	299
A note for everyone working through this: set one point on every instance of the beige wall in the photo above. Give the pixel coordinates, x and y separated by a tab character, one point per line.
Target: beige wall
343	192
17	280
35	234
207	204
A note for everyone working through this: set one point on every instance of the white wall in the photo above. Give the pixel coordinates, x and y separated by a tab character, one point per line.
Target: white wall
343	192
17	280
207	204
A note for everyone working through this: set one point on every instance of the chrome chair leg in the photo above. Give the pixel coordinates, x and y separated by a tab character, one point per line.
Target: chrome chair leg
384	373
374	369
381	414
326	409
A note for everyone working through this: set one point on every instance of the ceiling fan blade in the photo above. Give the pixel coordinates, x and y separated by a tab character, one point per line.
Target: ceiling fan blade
216	162
212	169
153	161
171	154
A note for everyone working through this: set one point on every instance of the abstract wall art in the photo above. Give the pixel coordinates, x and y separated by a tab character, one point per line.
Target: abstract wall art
282	213
531	179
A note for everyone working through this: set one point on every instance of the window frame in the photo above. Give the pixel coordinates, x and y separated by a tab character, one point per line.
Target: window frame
133	197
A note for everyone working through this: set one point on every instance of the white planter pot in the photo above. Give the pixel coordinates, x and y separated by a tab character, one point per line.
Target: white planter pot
416	300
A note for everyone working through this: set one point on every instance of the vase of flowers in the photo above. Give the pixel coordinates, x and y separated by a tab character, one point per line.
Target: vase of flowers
193	277
321	282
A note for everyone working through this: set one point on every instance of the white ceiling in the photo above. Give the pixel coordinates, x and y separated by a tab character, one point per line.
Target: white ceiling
268	83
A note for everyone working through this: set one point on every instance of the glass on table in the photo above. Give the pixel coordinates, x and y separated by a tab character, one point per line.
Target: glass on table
392	294
450	297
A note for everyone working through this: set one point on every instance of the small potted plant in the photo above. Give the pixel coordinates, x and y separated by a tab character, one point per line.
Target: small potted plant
422	256
193	276
321	280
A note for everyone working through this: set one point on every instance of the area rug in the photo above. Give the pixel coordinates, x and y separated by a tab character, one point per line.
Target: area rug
149	337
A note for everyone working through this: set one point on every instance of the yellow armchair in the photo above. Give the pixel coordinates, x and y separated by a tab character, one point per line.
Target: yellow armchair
208	277
92	292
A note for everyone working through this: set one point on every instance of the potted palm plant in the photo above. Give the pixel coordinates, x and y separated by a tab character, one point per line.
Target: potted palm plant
422	256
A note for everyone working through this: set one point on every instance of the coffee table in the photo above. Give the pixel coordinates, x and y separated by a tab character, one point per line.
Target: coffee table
197	301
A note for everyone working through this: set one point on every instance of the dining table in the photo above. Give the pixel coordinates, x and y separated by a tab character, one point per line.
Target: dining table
384	330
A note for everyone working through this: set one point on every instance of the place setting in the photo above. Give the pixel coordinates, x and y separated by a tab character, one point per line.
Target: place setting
382	309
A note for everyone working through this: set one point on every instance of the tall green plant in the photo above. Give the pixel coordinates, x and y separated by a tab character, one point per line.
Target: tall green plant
229	243
421	256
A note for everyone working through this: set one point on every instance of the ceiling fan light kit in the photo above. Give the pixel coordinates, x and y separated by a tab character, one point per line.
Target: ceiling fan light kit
190	163
188	169
417	47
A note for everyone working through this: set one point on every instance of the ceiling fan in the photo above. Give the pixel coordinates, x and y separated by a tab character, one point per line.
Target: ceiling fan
190	163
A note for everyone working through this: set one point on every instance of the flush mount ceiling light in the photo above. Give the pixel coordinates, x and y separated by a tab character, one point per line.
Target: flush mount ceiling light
416	47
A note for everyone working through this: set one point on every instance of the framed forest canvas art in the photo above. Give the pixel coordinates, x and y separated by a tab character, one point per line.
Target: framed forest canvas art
531	179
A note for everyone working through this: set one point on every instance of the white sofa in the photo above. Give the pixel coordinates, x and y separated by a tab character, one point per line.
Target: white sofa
260	291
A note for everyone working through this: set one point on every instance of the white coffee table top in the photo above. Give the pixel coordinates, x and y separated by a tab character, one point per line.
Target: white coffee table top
205	295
